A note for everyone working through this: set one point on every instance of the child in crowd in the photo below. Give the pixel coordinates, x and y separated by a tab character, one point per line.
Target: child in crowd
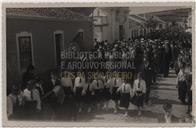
79	87
67	84
125	90
32	100
97	91
108	91
88	96
182	84
139	89
116	95
39	87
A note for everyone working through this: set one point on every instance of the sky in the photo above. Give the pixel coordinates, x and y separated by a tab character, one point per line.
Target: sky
141	10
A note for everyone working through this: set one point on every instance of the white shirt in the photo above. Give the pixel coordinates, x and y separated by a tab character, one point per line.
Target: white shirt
117	82
27	94
36	97
124	88
85	87
181	76
40	86
95	85
142	86
66	82
103	79
109	83
60	94
53	81
56	89
100	84
79	82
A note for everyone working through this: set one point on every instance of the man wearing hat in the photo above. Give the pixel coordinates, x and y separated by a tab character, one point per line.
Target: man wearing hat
167	58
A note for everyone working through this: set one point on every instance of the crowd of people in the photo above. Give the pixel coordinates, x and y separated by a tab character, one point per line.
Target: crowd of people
152	55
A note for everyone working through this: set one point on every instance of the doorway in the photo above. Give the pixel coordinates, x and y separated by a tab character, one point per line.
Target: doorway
58	38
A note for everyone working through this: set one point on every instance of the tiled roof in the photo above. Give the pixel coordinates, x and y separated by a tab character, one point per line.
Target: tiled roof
60	13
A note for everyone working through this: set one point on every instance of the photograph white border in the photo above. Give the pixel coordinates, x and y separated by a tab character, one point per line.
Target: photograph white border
19	4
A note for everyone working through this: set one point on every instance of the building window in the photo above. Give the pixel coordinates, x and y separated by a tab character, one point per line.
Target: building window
25	50
121	32
79	38
59	46
59	38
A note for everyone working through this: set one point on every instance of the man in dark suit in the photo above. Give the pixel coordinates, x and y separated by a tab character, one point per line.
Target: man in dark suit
167	58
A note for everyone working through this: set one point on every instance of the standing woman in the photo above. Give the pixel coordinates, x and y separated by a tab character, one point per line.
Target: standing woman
92	86
101	83
96	88
88	96
182	84
139	89
125	90
69	103
78	91
67	84
189	93
108	91
116	95
104	90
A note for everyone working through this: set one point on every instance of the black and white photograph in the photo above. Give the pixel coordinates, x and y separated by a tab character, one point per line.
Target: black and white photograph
115	64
